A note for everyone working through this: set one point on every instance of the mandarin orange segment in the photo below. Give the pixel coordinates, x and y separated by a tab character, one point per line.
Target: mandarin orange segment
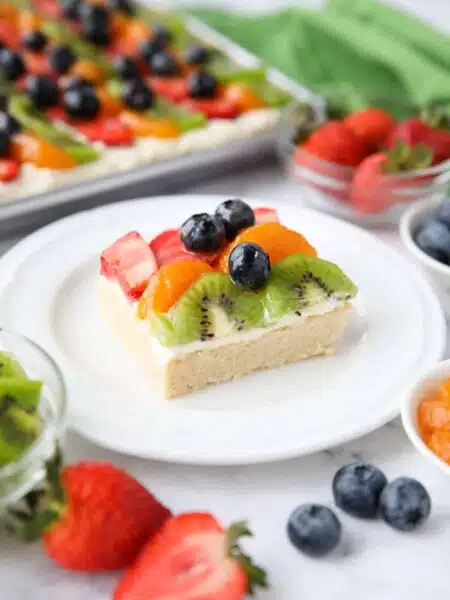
136	31
109	106
243	96
276	239
8	12
444	390
439	443
88	69
25	147
29	21
168	285
432	414
146	127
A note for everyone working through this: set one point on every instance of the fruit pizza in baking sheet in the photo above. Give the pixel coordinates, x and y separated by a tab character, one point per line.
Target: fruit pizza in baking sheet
89	90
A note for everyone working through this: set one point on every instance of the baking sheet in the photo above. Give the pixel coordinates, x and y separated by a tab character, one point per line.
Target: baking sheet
161	177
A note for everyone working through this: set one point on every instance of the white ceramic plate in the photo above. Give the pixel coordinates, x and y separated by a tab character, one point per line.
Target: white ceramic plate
47	291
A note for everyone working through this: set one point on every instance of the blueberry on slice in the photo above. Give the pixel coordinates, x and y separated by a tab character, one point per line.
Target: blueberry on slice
433	238
125	6
151	47
236	215
197	54
11	64
9	124
42	90
127	67
163	64
71	8
34	41
314	530
357	488
249	266
405	504
4	142
202	233
81	103
201	85
76	82
61	58
137	95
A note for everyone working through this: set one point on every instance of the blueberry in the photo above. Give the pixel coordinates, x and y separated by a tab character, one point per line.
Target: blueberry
71	9
137	95
61	58
357	488
4	142
236	215
151	47
90	13
78	83
97	33
202	233
161	33
42	90
249	266
11	64
35	40
9	124
443	213
201	85
197	54
124	6
405	504
127	67
81	103
314	530
433	238
163	64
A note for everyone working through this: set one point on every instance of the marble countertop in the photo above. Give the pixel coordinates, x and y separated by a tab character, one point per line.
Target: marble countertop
373	563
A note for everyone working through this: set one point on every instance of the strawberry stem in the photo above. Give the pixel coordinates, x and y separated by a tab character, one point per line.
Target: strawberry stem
256	576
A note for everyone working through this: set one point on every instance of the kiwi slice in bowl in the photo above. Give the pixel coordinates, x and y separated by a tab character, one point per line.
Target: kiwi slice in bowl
212	307
9	367
299	282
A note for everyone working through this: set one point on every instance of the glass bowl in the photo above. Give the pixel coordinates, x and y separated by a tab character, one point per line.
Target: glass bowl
19	477
327	186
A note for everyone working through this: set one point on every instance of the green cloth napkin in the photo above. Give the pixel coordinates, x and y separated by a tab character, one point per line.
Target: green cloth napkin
338	56
403	26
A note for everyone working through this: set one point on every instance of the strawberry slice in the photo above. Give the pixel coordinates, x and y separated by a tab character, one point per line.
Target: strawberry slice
130	262
265	215
168	247
214	108
192	558
9	35
111	131
49	8
172	88
37	64
9	169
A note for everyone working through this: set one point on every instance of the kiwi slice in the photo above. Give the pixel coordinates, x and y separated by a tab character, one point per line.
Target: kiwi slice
299	282
9	367
212	307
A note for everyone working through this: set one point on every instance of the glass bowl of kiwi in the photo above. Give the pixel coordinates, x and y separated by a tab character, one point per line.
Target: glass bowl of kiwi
33	405
366	192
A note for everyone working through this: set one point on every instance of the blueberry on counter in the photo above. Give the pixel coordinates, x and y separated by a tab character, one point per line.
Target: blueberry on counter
236	215
42	90
125	6
249	266
433	238
127	67
81	103
197	54
163	64
202	233
11	64
61	58
34	40
137	95
201	85
357	489
314	530
405	504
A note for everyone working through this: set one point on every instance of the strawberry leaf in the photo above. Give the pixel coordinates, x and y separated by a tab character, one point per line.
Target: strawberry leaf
404	158
256	576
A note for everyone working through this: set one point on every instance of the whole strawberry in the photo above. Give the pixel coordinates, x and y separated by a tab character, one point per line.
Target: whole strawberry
371	125
411	132
192	558
94	517
334	143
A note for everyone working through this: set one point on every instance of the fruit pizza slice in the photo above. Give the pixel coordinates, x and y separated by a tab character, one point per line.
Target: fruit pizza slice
222	296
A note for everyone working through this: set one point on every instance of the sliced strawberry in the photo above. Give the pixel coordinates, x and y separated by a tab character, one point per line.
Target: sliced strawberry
9	169
215	108
439	142
37	64
265	215
172	88
58	114
168	247
131	262
111	131
192	558
9	35
49	8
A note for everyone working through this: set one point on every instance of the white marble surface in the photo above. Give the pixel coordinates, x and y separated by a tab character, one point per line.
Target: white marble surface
374	562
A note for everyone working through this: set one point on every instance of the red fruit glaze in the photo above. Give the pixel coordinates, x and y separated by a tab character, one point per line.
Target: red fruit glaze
108	518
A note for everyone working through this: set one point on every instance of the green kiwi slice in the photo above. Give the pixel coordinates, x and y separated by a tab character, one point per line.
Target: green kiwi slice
212	307
9	367
299	282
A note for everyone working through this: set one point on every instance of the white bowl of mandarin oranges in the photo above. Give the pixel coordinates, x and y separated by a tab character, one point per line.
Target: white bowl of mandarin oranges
426	415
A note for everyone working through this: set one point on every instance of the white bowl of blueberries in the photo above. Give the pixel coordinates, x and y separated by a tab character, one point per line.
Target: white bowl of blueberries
425	231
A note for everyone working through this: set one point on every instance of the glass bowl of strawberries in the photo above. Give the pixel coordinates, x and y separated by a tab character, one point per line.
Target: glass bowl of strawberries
366	166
